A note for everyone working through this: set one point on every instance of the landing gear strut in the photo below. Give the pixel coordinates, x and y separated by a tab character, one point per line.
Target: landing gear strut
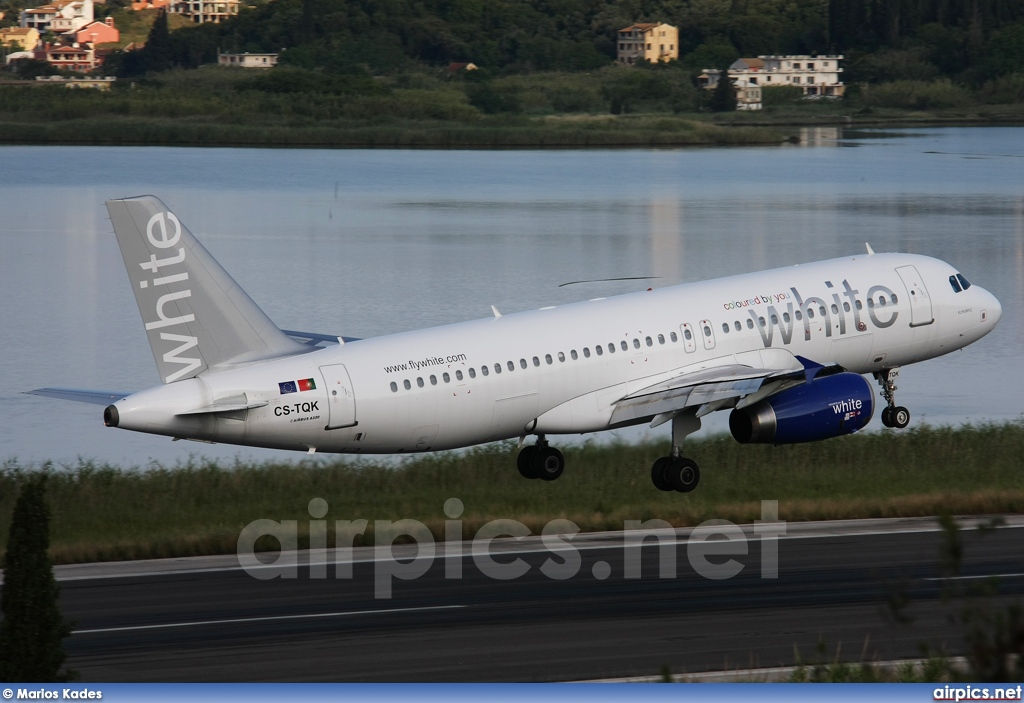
540	460
892	415
675	472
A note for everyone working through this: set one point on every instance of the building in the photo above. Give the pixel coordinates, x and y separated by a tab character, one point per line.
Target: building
816	76
95	83
200	11
25	38
247	60
150	5
652	42
94	33
58	17
68	57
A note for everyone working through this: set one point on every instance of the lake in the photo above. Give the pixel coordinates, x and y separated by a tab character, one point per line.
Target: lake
364	242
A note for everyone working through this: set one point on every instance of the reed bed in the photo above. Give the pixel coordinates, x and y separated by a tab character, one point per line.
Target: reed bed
104	512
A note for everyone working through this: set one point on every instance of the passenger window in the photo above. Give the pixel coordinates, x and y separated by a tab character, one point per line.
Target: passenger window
407	384
586	352
738	326
574	355
394	387
892	298
661	339
433	380
522	363
511	366
484	371
547	358
636	343
419	381
835	309
798	315
624	345
561	356
458	374
649	341
823	311
810	313
750	324
871	302
599	349
497	368
881	301
446	377
785	317
846	307
536	361
707	331
963	281
725	327
686	333
775	319
673	336
472	373
761	321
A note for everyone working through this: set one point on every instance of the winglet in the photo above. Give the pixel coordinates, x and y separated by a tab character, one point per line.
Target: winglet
495	311
871	252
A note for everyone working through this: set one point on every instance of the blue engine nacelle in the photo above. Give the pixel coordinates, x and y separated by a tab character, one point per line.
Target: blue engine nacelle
828	406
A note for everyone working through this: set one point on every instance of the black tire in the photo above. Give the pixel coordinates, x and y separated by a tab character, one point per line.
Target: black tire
887	416
549	463
658	474
527	462
685	474
899	417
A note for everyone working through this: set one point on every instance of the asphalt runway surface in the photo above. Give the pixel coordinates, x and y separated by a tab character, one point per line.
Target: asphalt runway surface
206	619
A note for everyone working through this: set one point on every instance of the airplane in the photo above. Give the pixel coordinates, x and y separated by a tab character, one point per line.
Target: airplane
785	351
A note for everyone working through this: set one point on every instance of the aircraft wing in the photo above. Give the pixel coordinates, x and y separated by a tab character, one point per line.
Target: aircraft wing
81	396
733	381
315	339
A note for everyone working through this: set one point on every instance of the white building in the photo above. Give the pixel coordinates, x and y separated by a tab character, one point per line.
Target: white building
248	60
816	76
200	11
58	17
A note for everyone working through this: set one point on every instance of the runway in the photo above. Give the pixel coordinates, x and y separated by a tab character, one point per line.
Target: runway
205	619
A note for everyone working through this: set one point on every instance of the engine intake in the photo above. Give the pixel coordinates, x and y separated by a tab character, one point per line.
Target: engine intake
828	406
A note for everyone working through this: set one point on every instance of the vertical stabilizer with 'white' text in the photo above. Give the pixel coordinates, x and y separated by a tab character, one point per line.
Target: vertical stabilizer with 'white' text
196	316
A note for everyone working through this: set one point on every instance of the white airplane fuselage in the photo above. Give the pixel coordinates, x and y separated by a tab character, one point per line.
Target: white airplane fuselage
427	390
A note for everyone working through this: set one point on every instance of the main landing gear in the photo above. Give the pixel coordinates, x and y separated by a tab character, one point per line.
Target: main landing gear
540	460
675	472
892	415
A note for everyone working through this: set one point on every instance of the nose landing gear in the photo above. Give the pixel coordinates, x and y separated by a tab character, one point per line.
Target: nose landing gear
893	415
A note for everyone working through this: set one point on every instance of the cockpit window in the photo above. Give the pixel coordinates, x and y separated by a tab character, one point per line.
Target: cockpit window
955	283
963	281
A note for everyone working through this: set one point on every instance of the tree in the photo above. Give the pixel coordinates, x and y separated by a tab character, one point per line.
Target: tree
33	627
723	99
157	53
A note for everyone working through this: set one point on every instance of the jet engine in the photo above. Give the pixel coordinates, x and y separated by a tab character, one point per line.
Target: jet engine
827	406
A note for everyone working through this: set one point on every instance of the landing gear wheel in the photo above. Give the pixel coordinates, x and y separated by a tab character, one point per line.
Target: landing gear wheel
658	474
887	416
899	417
685	474
527	461
548	463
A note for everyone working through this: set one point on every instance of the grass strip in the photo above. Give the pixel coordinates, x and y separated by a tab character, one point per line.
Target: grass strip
103	512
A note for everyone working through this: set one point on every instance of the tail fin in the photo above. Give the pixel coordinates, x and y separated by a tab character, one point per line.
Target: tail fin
196	316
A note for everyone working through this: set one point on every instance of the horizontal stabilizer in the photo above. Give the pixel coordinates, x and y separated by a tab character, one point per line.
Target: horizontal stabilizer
80	396
314	339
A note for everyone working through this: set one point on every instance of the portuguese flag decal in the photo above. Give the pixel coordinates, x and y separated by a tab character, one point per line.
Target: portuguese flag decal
307	384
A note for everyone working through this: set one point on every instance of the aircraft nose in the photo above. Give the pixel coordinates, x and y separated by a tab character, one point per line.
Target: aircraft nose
995	309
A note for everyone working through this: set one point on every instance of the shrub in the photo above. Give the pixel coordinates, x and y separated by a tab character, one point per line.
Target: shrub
915	95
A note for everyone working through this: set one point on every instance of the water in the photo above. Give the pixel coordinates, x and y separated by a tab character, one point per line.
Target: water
364	243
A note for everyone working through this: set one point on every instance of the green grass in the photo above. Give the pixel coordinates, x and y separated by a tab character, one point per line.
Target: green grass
104	512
